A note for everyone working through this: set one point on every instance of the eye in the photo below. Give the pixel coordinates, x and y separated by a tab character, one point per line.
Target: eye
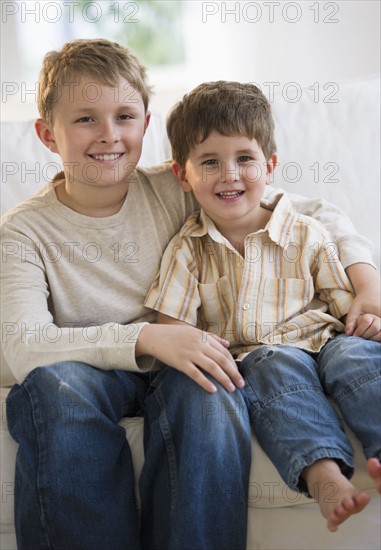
209	162
85	119
125	117
244	158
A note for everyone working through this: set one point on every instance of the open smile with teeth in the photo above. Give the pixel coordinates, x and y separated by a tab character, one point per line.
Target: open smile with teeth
230	194
111	156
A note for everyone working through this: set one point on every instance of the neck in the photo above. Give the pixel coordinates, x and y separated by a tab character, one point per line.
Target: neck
98	203
236	233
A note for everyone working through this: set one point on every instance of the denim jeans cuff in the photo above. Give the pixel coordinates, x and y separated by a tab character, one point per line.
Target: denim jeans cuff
297	483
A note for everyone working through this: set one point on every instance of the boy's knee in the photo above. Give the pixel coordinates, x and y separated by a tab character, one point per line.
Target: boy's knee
56	374
223	408
220	405
344	350
275	358
258	356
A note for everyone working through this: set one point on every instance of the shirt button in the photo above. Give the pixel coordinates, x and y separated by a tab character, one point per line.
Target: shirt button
246	306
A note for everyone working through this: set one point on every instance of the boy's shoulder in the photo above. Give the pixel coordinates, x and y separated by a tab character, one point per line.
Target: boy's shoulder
160	181
157	170
187	239
281	204
315	227
160	174
21	212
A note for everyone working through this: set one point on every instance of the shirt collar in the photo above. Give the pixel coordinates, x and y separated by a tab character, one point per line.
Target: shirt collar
279	227
199	224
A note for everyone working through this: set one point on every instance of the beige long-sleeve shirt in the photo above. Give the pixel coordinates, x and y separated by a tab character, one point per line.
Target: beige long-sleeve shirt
73	286
290	288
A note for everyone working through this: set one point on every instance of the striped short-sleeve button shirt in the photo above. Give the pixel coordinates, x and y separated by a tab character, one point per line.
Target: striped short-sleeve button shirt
289	288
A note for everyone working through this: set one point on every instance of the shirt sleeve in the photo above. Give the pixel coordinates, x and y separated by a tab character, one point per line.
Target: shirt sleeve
31	339
353	248
174	290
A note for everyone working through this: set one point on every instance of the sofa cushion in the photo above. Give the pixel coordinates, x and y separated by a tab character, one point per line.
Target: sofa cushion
328	140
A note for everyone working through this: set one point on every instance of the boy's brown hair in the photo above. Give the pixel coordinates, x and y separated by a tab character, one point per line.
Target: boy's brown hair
229	108
104	61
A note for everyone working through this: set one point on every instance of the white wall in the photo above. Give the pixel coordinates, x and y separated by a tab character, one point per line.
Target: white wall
258	42
252	41
314	47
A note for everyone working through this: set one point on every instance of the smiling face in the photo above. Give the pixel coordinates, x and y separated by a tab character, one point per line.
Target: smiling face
227	175
98	132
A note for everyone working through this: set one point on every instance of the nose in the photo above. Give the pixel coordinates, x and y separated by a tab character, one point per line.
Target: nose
229	172
109	132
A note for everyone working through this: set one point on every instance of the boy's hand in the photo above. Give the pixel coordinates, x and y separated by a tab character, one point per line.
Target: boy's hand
191	351
363	318
367	286
367	326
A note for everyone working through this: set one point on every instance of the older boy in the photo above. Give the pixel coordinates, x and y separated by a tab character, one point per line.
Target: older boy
268	279
78	261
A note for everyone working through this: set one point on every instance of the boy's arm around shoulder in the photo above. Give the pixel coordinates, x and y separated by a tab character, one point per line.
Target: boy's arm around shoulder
353	248
355	254
360	310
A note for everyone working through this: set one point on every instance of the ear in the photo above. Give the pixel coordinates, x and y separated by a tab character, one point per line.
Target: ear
45	133
146	123
271	164
180	174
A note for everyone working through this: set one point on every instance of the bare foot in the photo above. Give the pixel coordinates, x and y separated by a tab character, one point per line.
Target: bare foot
337	497
374	471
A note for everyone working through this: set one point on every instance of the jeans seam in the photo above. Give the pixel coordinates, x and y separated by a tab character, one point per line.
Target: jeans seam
259	408
39	458
170	447
296	388
356	385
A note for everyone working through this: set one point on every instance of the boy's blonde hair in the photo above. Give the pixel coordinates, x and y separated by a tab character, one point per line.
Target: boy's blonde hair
99	59
229	108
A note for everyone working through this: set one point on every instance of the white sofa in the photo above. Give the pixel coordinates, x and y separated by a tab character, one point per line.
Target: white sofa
328	143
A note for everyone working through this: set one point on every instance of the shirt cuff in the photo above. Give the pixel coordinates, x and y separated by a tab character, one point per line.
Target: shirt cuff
121	355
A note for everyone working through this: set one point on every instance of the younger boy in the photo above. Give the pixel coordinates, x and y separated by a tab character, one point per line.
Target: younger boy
268	279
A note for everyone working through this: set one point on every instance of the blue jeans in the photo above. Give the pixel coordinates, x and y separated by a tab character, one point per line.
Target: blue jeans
74	486
290	414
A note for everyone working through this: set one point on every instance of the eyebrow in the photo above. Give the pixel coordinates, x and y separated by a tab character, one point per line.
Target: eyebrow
90	109
240	152
206	155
